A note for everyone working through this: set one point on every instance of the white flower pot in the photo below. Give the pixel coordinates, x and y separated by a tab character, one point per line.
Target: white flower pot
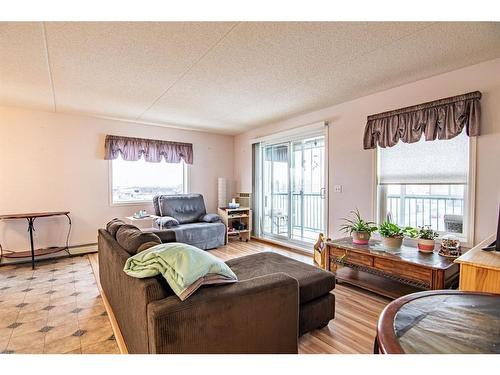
392	243
360	238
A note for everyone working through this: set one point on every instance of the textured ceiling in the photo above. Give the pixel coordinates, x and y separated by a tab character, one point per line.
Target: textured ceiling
224	77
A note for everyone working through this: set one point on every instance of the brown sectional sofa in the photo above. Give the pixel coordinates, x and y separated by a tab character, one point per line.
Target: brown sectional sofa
264	312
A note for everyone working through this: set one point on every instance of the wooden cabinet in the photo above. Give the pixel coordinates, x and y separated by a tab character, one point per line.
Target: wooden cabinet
480	270
233	218
391	274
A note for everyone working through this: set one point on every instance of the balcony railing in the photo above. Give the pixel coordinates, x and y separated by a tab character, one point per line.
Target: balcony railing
307	216
423	210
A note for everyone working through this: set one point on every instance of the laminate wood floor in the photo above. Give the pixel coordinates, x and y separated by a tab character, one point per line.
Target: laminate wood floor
356	311
30	302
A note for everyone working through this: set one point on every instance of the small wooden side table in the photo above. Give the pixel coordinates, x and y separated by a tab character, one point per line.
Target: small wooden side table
440	322
146	222
241	214
35	252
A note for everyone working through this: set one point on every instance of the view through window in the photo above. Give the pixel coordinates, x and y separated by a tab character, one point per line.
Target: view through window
140	181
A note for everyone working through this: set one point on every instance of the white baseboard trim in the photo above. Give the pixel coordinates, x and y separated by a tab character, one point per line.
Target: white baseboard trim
76	250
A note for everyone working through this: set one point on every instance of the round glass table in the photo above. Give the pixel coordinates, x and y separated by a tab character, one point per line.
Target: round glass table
439	322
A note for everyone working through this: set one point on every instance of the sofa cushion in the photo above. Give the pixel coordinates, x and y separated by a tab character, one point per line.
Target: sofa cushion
131	238
210	218
186	208
313	282
113	226
146	246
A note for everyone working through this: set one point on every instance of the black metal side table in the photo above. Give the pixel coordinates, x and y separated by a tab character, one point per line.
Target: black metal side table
30	217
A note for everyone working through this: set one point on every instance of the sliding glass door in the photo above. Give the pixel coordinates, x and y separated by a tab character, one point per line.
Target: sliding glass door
293	189
275	189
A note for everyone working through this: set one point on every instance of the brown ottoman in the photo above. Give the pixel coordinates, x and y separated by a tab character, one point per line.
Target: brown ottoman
316	303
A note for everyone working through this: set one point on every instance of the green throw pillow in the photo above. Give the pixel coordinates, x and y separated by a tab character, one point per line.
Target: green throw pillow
185	267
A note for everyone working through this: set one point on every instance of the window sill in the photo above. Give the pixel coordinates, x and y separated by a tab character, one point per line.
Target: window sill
129	204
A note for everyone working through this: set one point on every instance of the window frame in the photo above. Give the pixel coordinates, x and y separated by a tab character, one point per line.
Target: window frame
470	194
186	172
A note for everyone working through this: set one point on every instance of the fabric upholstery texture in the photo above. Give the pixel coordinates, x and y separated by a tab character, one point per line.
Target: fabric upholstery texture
316	303
165	234
202	235
132	149
166	222
185	267
113	226
441	119
189	210
186	208
314	282
128	297
210	218
258	315
316	313
146	246
131	238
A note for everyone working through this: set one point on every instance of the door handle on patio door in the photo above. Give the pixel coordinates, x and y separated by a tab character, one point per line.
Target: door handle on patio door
322	193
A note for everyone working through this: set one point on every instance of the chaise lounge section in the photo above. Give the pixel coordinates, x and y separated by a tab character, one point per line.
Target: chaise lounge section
316	303
275	300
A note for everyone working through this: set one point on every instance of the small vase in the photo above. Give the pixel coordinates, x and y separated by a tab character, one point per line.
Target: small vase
392	243
360	238
425	246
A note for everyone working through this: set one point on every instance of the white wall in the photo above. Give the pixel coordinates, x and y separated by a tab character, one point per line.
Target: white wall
353	168
51	162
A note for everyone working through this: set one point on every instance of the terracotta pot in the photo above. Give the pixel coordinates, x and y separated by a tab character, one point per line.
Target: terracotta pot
360	238
392	243
426	246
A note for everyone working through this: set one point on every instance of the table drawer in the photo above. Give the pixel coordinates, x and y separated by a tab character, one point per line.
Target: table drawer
408	271
352	257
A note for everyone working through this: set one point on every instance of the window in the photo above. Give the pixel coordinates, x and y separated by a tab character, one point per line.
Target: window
426	183
139	181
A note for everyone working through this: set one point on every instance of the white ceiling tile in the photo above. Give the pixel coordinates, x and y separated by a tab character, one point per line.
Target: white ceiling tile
259	59
24	76
228	77
120	68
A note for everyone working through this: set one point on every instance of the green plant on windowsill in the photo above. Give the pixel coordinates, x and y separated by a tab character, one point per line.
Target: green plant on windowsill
358	228
427	233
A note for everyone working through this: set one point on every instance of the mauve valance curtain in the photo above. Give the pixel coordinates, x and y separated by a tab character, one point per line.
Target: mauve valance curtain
441	119
132	149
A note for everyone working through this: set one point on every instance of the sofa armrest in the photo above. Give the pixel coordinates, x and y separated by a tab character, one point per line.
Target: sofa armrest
125	293
258	315
210	218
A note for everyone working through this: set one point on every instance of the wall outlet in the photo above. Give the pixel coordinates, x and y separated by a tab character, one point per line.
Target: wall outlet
337	188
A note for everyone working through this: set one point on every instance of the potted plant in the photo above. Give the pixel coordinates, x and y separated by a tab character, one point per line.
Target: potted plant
392	234
426	239
359	229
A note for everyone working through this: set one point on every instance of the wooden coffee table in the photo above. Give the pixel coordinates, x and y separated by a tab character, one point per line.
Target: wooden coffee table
389	273
440	322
